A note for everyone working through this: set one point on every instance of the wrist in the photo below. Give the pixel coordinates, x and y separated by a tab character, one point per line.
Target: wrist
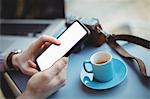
15	62
12	59
29	95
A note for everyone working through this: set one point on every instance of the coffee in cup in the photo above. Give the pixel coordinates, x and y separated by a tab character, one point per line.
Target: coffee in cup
101	63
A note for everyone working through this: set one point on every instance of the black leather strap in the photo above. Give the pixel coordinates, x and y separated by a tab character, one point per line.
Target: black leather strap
111	40
9	60
133	39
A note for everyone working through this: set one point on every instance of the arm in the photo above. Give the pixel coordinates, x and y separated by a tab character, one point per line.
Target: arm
45	83
25	60
3	64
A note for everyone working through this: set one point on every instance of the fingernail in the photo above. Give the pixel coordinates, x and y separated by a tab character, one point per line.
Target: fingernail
65	59
58	42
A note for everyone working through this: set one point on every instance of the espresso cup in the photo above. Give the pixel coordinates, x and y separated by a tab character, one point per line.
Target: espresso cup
101	63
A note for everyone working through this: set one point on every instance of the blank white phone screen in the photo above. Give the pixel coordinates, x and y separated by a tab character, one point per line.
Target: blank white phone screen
68	39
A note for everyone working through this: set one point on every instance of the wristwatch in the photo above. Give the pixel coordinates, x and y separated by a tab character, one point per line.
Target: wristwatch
9	58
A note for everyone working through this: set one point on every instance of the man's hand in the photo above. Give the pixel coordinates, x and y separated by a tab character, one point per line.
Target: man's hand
25	60
45	83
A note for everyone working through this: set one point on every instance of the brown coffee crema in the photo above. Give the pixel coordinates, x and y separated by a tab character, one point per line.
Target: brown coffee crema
101	62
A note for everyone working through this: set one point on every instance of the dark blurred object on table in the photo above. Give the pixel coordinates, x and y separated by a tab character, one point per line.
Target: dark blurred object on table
34	9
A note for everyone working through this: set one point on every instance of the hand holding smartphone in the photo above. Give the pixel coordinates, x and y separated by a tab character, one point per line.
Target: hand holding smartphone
75	34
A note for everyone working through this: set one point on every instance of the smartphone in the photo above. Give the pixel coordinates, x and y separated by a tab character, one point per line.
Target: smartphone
70	38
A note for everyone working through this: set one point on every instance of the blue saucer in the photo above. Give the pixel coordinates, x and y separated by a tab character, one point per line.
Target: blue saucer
120	73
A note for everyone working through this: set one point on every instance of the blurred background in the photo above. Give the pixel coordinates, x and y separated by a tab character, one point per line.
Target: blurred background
114	15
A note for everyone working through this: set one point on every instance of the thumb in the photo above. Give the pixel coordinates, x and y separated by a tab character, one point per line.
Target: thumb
32	64
31	71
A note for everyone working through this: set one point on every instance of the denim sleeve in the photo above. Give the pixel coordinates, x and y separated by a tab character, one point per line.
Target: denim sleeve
1	58
1	62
